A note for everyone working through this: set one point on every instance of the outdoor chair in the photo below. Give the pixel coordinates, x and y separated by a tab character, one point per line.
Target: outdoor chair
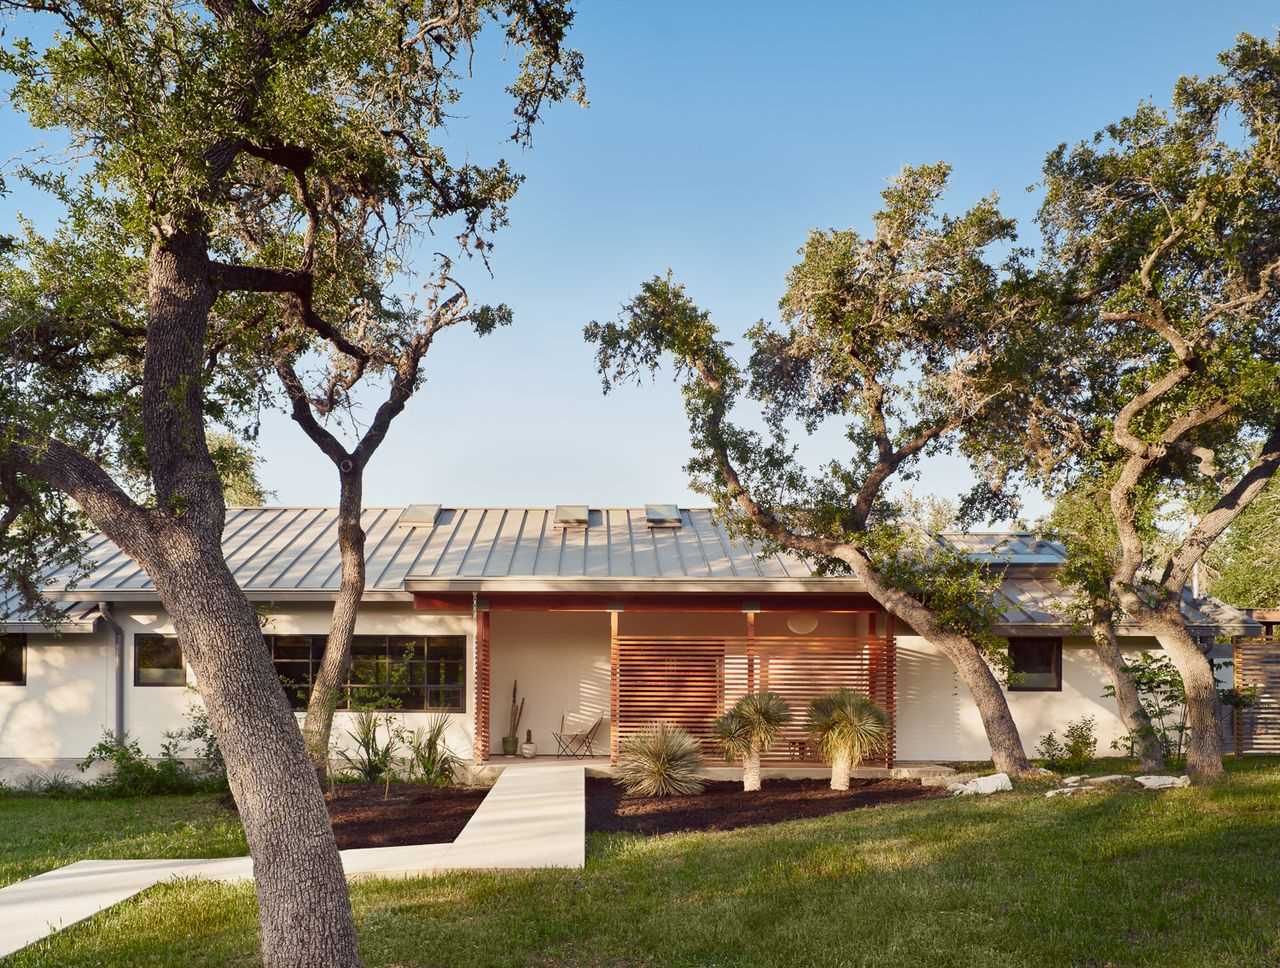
576	744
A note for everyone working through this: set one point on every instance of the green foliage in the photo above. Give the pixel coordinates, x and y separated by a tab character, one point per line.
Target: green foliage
132	774
1161	692
430	759
1244	564
847	723
237	465
371	760
661	760
899	338
1077	748
752	724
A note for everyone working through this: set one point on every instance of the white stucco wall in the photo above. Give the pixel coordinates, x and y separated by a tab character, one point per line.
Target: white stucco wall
62	710
561	661
937	719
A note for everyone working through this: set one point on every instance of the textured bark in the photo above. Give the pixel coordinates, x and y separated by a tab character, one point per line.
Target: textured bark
1007	753
840	764
751	771
1146	744
304	912
1204	745
330	677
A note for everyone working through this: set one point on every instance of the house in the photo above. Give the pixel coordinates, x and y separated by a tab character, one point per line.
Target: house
617	615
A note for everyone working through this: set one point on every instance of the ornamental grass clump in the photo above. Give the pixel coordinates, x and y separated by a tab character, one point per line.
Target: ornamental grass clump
660	761
749	728
846	727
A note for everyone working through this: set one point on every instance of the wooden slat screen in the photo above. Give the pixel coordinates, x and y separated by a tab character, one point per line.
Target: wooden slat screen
690	680
482	690
1257	663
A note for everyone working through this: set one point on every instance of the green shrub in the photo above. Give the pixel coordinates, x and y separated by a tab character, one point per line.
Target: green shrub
660	761
372	760
1077	748
132	774
430	759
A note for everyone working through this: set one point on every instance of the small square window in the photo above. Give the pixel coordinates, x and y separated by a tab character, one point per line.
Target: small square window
157	661
13	659
1035	665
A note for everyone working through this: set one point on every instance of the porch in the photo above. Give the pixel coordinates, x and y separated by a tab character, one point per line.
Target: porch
623	662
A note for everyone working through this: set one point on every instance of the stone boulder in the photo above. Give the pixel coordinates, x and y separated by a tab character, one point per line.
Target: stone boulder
1163	782
982	785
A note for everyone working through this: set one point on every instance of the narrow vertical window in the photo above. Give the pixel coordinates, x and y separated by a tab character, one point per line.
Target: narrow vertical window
13	659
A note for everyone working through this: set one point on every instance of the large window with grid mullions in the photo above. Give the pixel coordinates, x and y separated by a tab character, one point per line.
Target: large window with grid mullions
388	672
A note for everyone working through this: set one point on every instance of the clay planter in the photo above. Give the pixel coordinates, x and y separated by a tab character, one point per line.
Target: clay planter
510	745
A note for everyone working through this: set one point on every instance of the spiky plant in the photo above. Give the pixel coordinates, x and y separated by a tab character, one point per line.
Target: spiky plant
660	761
846	727
749	728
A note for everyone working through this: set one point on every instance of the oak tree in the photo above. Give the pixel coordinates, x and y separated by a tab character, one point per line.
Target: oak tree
900	338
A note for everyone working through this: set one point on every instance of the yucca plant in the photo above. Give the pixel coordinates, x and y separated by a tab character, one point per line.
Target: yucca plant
846	727
660	761
370	760
749	728
430	757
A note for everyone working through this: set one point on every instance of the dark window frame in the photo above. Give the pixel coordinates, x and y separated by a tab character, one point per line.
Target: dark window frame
1055	661
392	652
21	638
142	638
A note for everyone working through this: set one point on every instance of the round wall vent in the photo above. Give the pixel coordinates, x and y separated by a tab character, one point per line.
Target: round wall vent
802	624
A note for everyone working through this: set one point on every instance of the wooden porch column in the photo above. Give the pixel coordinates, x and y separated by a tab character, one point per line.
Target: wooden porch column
613	688
482	687
891	689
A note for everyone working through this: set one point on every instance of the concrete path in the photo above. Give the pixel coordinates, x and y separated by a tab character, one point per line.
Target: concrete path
531	818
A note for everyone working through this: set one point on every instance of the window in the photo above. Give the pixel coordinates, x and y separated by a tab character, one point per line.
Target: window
13	659
1035	665
391	672
157	661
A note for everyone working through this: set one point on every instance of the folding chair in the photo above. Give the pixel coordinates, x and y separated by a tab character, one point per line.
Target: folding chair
579	744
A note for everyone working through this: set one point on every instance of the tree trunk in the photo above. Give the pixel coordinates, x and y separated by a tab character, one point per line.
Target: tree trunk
304	912
1146	744
751	771
1204	746
840	764
1002	733
326	689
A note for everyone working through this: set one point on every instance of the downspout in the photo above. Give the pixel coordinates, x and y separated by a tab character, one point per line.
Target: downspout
117	633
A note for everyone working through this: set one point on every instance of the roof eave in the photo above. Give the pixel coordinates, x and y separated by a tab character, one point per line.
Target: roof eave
849	586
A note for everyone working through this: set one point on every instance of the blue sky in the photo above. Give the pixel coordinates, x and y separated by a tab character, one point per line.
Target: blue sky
718	135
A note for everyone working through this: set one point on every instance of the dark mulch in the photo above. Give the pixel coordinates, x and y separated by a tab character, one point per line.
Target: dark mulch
412	814
724	805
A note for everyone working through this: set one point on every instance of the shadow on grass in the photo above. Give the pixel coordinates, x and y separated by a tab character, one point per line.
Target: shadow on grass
1126	878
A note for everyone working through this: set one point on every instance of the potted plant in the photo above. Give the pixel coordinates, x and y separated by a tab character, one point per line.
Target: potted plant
528	749
511	741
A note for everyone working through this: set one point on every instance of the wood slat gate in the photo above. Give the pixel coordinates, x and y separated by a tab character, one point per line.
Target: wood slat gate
690	680
1257	663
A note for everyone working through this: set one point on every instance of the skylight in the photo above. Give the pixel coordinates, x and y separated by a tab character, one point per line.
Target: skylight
663	516
418	515
572	515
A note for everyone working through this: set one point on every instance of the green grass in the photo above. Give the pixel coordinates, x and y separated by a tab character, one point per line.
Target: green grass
1178	879
40	833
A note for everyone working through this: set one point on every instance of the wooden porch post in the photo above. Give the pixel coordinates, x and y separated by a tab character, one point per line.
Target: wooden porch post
891	689
481	752
613	688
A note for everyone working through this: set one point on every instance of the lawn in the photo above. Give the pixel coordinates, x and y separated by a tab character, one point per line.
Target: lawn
1180	878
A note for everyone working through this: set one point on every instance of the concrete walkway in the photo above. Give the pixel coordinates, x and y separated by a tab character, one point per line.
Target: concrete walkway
532	818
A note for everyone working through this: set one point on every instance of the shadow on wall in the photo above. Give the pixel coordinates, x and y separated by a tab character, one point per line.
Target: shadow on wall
931	723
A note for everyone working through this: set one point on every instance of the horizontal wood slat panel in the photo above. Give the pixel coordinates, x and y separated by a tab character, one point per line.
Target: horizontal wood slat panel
1257	663
691	680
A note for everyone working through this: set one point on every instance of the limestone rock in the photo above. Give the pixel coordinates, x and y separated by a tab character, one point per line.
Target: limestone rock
1163	782
1109	778
982	785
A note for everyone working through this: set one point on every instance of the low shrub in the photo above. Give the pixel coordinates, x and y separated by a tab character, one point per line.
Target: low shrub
133	774
371	760
430	759
660	761
1075	750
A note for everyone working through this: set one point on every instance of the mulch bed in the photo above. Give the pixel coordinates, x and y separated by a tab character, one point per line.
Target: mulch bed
724	805
412	814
